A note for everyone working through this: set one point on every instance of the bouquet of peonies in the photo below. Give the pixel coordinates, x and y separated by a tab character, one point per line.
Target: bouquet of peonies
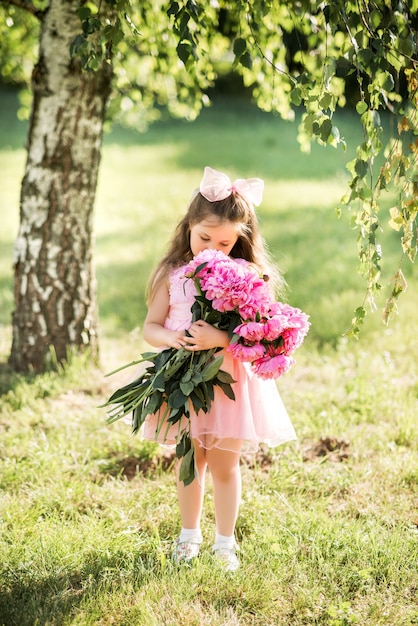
233	297
262	332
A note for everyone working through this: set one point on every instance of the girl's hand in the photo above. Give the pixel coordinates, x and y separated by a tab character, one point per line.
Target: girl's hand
204	336
176	339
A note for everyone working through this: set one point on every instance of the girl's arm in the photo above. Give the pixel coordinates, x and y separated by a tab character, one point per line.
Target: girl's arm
154	332
203	336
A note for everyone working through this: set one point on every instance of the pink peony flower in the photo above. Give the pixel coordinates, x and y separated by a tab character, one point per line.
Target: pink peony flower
211	258
293	339
257	304
245	352
273	367
274	327
251	331
227	286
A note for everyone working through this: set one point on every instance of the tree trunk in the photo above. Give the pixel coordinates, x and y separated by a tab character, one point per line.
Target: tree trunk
55	302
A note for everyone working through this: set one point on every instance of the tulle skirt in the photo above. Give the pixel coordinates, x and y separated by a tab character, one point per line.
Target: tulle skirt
256	415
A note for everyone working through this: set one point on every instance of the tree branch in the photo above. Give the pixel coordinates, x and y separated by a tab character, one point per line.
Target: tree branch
26	5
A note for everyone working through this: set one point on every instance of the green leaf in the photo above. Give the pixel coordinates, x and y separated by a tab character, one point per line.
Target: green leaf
365	58
356	322
136	420
316	128
208	392
227	389
187	472
202	392
200	267
94	62
91	25
213	317
296	96
211	370
76	44
325	101
173	9
154	404
360	313
326	128
361	168
225	377
197	378
175	415
150	356
308	122
176	363
396	218
361	107
187	387
385	81
197	399
124	391
184	445
159	382
196	310
113	33
240	46
176	399
160	359
84	13
187	376
184	50
246	60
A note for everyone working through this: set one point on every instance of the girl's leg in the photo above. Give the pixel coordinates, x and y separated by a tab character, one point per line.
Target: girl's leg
226	476
191	497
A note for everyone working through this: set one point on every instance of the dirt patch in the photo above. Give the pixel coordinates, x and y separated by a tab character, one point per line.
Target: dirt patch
329	449
130	466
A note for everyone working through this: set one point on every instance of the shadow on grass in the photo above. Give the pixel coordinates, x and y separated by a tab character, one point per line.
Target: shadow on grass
53	598
9	379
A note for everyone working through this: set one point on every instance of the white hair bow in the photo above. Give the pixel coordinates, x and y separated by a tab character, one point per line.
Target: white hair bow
217	186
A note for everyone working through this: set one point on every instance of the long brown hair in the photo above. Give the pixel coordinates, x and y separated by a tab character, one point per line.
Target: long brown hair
249	246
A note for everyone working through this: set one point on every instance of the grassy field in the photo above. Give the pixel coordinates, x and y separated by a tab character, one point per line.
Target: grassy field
328	526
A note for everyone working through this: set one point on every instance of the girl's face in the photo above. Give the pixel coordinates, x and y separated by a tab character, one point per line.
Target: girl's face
213	235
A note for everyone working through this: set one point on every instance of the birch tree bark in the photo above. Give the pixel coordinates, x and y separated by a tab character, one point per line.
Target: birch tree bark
55	303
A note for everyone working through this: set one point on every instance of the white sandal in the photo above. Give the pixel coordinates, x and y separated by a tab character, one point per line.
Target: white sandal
228	558
186	551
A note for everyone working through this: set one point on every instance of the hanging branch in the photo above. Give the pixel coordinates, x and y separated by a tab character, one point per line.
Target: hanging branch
26	5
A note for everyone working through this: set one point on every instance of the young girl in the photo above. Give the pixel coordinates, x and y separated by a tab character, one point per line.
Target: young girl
220	216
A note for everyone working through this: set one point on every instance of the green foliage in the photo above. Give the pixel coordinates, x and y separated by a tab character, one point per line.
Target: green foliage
303	54
310	56
19	37
145	50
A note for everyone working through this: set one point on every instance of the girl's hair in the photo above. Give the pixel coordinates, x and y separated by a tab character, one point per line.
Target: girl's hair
249	246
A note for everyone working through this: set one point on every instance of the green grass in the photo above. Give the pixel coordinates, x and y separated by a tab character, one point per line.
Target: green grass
88	513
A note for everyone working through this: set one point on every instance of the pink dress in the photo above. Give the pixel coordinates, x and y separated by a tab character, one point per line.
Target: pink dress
256	415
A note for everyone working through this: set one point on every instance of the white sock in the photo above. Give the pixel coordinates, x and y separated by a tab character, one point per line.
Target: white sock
191	534
224	542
